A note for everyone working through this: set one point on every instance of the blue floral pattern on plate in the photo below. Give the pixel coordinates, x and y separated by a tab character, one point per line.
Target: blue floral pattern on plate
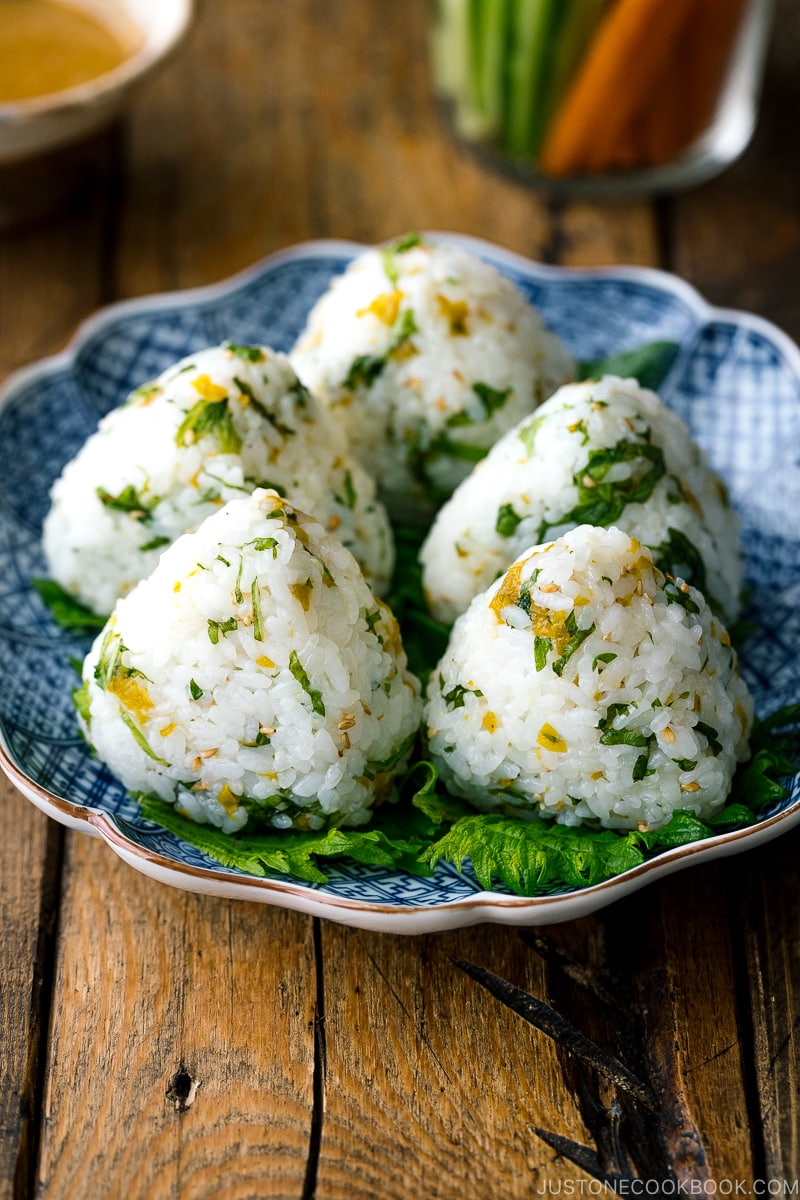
735	381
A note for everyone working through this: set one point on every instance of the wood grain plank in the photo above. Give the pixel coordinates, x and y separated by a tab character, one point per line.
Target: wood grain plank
30	853
52	273
431	1088
152	984
771	929
669	956
596	235
302	121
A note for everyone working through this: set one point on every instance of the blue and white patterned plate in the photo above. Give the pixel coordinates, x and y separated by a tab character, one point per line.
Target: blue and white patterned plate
735	381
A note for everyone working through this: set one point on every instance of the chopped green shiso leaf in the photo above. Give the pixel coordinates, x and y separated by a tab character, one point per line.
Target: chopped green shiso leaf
210	418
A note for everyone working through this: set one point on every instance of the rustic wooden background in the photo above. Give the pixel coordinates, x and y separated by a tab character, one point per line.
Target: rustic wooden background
158	1044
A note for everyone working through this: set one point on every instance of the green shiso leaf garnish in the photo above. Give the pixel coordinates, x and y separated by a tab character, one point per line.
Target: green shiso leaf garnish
602	501
155	543
578	636
389	253
507	521
394	840
350	495
141	740
68	612
255	593
366	368
649	365
217	629
424	638
528	856
81	701
491	398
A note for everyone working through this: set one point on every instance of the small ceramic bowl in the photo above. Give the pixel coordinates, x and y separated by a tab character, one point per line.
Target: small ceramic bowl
42	123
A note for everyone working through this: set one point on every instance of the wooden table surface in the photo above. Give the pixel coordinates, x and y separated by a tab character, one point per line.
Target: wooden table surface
160	1044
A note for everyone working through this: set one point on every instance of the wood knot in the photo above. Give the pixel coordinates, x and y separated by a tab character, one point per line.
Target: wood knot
182	1089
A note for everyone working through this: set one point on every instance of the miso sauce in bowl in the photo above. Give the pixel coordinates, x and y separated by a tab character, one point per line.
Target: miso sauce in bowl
68	66
46	47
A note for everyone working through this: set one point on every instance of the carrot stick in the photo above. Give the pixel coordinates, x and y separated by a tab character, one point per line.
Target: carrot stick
496	16
682	98
631	46
656	132
704	59
527	68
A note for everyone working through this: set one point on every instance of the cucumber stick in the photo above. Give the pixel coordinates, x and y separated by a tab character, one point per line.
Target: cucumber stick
534	25
493	32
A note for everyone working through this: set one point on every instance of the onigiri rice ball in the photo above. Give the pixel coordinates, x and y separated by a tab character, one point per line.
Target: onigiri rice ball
585	686
215	426
253	678
602	452
427	355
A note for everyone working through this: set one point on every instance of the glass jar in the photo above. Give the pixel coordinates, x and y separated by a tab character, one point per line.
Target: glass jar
603	95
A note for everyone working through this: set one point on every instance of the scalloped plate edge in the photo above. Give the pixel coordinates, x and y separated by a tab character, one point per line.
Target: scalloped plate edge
392	918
